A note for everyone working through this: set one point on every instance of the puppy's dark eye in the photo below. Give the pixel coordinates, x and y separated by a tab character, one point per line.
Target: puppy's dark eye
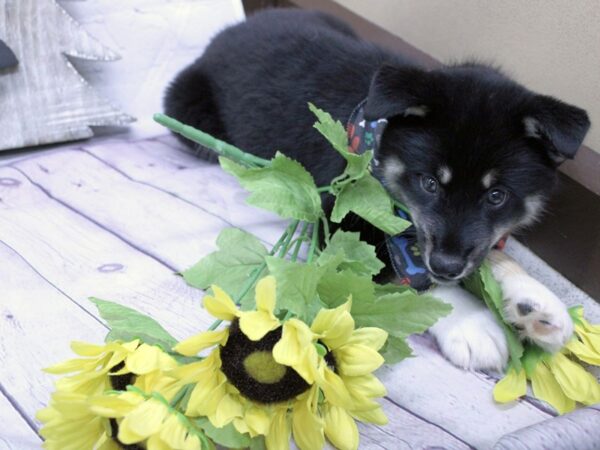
496	197
429	183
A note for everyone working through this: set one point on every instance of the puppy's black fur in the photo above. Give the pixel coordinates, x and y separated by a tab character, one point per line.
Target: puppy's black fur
472	153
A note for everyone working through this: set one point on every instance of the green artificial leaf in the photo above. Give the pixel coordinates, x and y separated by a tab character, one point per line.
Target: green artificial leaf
335	287
401	314
391	288
258	443
395	350
296	286
357	255
127	324
483	285
284	187
369	200
226	436
239	255
335	133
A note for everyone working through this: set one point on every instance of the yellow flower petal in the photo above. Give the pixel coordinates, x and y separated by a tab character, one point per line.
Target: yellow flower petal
195	344
115	406
334	325
148	358
155	442
295	337
227	410
255	324
220	306
367	385
545	387
279	432
173	433
576	382
265	294
376	416
307	425
372	337
511	387
145	420
207	395
340	428
257	421
333	387
583	352
354	360
591	340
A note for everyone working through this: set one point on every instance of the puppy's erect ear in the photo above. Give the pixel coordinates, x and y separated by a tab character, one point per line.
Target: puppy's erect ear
559	125
399	91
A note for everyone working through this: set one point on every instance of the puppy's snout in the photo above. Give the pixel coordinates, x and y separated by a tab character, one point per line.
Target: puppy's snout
446	266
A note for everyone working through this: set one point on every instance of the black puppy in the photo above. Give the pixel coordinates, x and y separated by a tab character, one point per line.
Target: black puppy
470	152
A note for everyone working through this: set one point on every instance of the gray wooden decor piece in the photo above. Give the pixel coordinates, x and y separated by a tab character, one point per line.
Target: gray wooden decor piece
44	99
579	430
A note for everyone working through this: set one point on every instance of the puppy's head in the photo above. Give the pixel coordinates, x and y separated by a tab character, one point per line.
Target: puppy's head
471	153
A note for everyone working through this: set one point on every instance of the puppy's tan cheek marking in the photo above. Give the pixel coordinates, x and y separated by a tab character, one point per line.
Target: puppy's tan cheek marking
444	174
488	179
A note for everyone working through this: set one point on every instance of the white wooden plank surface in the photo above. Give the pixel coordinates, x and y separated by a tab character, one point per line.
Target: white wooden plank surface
15	434
82	259
68	249
473	390
37	323
436	387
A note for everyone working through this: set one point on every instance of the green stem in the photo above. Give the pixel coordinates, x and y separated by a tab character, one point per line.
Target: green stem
324	189
283	245
313	243
205	139
290	234
300	240
326	232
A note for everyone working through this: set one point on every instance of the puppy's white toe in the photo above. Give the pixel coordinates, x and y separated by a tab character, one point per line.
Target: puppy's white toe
536	312
470	337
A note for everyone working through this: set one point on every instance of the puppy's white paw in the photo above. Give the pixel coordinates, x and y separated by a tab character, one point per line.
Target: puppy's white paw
536	312
469	337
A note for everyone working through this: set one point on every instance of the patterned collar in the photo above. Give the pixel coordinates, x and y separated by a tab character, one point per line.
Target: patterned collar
405	255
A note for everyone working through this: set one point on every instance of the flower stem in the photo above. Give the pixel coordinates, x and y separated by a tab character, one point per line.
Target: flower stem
282	245
313	243
300	240
205	139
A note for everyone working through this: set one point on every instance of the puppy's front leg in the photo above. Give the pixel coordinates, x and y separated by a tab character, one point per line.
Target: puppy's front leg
530	306
470	337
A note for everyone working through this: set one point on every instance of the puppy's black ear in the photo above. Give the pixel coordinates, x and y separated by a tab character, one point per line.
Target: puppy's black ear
560	126
399	91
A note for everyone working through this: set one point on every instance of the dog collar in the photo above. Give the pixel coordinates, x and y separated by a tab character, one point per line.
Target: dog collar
403	248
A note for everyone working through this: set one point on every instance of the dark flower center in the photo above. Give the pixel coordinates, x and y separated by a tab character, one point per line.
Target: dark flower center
250	367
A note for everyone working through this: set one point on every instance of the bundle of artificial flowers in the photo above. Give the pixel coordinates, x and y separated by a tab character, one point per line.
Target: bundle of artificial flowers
300	328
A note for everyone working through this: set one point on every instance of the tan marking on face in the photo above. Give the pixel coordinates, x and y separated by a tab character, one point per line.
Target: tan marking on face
488	179
444	174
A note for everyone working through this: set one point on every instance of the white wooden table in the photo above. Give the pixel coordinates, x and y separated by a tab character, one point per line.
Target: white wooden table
114	219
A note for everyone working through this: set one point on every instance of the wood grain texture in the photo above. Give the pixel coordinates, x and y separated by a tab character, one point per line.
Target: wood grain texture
44	99
33	319
113	220
59	257
577	430
15	434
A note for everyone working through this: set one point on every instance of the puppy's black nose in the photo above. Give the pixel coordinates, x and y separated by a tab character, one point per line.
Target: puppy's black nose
446	266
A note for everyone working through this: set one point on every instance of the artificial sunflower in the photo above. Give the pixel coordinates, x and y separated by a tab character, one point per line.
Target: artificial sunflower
70	424
110	366
240	382
558	378
139	420
339	359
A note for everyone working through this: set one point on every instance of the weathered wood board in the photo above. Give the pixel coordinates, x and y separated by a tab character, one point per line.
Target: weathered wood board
115	220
